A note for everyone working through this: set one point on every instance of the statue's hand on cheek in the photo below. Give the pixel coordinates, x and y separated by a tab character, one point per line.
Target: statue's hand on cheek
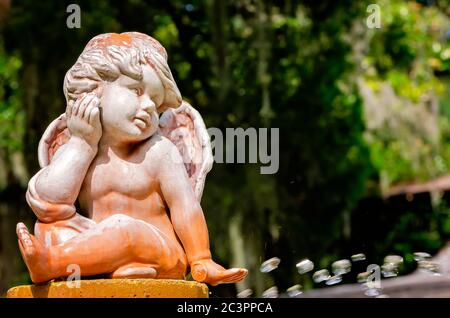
83	119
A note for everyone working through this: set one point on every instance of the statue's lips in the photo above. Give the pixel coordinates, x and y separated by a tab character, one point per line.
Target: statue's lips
142	120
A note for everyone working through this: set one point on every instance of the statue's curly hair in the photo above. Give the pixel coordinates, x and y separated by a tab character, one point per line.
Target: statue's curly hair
107	56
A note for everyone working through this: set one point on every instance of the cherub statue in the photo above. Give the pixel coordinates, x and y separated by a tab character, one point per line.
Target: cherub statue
137	177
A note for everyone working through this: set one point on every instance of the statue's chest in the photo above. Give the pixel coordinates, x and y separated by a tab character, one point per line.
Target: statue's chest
118	176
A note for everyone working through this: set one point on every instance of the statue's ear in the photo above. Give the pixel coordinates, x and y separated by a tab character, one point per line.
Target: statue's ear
54	137
184	126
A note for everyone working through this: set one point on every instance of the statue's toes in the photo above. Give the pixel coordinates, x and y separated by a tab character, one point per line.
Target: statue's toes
25	238
21	230
237	275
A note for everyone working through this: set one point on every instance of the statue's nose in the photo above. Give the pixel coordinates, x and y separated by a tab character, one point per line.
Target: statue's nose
147	104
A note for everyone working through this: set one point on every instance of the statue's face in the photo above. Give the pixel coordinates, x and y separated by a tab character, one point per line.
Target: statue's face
129	107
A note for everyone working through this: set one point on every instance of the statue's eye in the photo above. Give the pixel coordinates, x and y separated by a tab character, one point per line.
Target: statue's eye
137	91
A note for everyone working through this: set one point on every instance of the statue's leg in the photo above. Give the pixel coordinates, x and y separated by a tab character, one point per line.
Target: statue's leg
111	244
135	270
60	231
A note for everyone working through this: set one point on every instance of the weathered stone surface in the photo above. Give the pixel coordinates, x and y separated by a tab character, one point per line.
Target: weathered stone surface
139	212
113	288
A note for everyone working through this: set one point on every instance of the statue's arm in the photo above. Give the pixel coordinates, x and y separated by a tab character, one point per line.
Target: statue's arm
185	211
53	191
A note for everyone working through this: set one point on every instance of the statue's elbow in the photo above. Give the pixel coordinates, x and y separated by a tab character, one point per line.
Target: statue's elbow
48	212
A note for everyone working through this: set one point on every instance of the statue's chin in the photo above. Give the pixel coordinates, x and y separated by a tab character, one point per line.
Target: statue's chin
133	135
143	132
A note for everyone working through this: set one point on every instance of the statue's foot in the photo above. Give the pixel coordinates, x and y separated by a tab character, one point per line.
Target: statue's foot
207	271
35	255
134	270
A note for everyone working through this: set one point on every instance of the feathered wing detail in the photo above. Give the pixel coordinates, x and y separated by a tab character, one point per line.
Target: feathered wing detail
54	137
184	126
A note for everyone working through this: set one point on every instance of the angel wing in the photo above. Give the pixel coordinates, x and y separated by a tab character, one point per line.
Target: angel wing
184	126
54	136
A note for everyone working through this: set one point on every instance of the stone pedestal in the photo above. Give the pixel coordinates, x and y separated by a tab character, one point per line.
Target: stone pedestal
113	288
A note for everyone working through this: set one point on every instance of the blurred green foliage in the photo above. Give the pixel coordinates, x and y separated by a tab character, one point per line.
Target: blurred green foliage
11	111
411	53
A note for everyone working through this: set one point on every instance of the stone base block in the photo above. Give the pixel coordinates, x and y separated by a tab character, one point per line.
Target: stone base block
113	288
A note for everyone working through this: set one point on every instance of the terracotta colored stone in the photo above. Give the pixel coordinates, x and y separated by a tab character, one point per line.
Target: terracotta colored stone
114	288
127	151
